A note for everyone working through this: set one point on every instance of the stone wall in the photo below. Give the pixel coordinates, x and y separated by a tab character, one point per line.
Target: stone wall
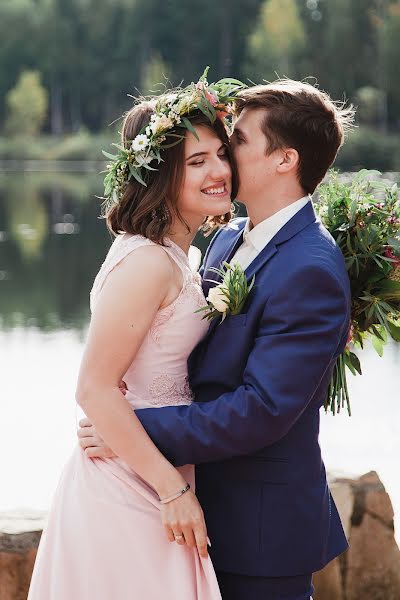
17	557
20	533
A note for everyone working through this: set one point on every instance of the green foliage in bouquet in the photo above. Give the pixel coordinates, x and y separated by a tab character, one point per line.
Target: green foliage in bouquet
363	216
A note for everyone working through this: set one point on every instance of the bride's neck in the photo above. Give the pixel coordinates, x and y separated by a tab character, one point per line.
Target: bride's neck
180	235
182	240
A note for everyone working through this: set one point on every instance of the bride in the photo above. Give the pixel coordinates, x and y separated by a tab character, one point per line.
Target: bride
112	520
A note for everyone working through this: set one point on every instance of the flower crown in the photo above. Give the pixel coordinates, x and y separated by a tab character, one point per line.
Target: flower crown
171	110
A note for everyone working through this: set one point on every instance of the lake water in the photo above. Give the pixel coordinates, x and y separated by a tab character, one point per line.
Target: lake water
51	245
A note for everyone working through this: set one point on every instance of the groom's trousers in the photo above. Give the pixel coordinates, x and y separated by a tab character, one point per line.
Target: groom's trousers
243	587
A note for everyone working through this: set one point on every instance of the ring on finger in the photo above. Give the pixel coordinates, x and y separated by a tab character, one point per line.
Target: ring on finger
178	537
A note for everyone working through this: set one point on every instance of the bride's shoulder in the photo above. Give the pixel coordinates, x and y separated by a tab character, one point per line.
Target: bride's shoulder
132	260
134	251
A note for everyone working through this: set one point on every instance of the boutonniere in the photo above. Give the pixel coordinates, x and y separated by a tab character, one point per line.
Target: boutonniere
228	297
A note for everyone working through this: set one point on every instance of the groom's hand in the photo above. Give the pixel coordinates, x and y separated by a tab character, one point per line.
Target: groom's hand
89	440
93	445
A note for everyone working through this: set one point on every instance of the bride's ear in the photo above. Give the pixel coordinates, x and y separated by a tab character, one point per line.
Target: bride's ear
288	160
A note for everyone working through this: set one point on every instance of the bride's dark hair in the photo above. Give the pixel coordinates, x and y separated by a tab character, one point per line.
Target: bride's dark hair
139	210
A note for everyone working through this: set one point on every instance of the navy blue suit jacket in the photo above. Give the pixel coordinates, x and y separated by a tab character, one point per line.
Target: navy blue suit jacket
259	381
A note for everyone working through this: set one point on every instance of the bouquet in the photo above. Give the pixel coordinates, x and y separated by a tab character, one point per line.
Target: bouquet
363	216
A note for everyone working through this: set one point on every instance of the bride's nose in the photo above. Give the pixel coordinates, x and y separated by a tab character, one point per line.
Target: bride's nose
221	170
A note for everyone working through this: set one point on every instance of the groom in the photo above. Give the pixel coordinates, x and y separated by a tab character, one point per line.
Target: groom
260	377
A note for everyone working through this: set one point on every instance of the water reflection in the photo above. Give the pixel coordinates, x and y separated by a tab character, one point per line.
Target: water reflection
51	246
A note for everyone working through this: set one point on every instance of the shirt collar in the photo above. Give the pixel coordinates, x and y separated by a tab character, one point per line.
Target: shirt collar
262	233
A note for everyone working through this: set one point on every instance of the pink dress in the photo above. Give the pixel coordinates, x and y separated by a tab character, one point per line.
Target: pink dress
104	539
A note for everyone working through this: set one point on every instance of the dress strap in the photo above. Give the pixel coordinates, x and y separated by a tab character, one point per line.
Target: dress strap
123	245
178	256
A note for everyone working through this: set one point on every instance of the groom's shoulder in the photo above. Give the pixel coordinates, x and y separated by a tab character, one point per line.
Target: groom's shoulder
317	234
318	249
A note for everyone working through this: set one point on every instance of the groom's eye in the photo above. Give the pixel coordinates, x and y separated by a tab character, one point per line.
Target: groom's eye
237	139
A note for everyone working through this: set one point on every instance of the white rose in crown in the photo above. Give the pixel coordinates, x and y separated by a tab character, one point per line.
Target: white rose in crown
228	297
217	296
161	123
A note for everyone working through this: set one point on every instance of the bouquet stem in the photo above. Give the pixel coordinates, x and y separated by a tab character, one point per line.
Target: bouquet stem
338	393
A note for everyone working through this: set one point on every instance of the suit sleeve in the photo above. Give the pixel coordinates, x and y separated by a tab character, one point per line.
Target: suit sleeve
299	335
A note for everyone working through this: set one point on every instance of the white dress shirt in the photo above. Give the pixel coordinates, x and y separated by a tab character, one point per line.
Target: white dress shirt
255	239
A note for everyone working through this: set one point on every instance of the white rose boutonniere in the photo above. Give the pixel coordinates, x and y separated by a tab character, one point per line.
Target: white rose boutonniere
217	298
228	297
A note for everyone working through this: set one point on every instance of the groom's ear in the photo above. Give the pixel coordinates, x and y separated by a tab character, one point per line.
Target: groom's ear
288	160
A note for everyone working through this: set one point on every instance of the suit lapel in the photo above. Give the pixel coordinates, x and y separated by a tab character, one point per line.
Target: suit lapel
302	219
237	241
226	257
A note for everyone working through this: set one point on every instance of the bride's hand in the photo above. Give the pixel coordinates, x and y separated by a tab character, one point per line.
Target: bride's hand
184	517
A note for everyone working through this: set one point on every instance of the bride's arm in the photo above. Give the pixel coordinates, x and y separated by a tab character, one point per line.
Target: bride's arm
125	309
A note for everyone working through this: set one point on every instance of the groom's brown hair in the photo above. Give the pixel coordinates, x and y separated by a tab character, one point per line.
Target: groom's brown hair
300	116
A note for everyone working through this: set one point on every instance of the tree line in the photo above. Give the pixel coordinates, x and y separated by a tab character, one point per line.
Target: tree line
70	64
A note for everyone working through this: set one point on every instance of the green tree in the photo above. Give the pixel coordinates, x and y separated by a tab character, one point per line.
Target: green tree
391	50
189	38
93	54
343	44
277	40
27	105
370	105
18	34
156	72
89	54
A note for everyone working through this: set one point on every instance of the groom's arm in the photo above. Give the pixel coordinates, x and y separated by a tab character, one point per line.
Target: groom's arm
298	336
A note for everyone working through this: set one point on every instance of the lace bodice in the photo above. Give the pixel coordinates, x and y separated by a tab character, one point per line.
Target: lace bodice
158	375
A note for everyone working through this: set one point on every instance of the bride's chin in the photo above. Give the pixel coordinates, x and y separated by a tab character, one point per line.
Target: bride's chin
219	208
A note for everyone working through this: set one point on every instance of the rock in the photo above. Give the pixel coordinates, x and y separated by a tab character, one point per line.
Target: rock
342	492
370	569
19	538
328	583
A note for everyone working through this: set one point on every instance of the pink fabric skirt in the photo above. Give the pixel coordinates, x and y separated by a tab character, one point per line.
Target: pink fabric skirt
104	540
